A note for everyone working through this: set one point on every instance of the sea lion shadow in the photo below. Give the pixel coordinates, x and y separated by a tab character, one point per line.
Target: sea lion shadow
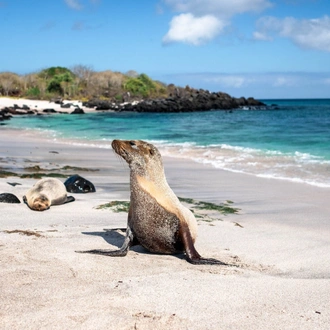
116	237
111	236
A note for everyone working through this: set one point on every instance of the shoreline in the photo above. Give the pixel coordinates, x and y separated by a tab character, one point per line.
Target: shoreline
272	161
279	243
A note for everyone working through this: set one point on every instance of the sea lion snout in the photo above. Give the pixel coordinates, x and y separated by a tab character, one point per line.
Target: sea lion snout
41	203
123	149
131	150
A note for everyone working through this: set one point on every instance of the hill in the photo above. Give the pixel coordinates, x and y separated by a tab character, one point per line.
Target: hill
81	82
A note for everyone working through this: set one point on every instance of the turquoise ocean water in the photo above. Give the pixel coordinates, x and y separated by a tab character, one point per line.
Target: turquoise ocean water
289	143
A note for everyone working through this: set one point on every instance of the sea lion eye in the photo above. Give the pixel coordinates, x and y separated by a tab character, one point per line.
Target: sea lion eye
151	152
133	145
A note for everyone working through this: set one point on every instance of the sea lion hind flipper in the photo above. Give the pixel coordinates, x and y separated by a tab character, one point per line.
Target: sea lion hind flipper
129	241
191	253
112	253
206	261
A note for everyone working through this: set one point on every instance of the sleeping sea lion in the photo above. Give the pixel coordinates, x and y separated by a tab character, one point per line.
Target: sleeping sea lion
156	220
47	192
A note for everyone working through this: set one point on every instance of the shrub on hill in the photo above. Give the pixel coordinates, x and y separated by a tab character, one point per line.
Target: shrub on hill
10	84
81	82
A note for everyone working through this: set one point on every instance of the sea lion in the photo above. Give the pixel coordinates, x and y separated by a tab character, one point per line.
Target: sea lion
46	192
156	220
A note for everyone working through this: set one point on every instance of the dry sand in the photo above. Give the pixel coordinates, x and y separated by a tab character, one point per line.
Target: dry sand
278	244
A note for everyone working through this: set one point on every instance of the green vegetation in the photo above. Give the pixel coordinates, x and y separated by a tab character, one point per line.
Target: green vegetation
81	82
36	172
115	206
207	210
204	211
5	174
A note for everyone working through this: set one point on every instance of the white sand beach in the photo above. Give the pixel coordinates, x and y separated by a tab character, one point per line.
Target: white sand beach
278	247
39	105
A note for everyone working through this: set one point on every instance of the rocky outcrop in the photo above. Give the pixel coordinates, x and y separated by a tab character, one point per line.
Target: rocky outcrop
4	115
181	100
7	113
77	111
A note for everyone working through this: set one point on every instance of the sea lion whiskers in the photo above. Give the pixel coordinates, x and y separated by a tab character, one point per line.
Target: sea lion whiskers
121	159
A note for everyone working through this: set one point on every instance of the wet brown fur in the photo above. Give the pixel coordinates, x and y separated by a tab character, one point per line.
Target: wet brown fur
157	220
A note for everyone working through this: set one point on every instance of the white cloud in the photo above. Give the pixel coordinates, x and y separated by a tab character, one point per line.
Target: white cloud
261	36
259	85
285	80
193	30
241	80
77	5
74	4
306	33
226	80
203	20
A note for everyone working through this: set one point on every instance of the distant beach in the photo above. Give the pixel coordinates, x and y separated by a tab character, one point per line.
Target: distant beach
278	244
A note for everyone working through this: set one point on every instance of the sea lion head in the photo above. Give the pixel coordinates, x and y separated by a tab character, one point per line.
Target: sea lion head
143	158
40	203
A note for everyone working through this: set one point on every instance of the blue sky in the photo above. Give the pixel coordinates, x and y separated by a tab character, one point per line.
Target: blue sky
259	48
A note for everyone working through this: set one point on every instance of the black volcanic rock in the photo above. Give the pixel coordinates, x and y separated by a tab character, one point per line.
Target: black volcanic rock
66	105
49	111
180	100
77	111
4	115
9	198
77	184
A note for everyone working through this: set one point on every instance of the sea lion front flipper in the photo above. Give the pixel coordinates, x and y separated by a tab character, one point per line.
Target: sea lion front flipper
129	241
192	255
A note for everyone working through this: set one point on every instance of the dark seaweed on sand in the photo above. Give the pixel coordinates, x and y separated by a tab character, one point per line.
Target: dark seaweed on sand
195	206
223	208
115	206
36	172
